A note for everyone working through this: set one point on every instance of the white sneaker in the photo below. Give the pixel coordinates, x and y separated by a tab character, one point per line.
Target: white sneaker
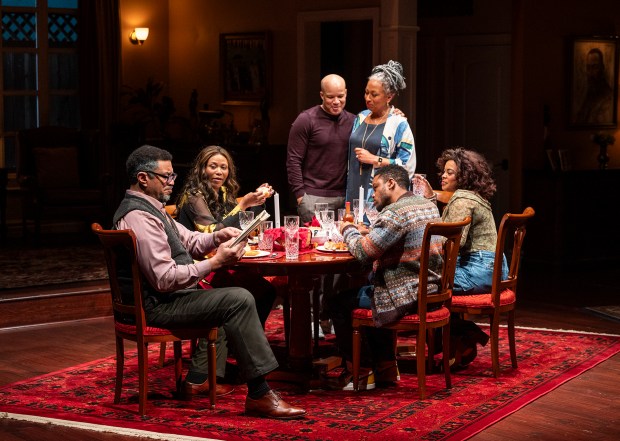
321	334
367	382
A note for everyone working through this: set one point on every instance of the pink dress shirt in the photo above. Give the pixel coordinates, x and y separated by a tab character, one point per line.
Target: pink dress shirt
154	254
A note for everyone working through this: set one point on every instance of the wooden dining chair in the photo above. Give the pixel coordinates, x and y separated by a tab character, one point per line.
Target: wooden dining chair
129	319
423	320
503	296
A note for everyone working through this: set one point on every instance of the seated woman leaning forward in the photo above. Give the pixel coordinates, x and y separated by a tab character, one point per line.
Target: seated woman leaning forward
208	202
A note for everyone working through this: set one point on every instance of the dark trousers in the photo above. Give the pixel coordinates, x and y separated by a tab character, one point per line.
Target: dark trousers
234	310
377	343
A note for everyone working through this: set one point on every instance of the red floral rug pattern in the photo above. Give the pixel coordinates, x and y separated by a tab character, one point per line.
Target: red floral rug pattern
546	359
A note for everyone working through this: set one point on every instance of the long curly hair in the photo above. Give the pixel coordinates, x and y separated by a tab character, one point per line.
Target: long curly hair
197	182
473	171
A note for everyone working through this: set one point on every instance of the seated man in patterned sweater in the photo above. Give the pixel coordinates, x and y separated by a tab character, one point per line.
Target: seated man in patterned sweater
393	247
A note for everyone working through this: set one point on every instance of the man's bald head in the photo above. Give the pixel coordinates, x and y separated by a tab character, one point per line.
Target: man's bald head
333	94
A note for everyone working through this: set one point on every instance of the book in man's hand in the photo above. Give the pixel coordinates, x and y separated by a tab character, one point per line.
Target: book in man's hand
263	215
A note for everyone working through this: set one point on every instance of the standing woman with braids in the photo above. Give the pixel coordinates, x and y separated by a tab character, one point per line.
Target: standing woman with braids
379	136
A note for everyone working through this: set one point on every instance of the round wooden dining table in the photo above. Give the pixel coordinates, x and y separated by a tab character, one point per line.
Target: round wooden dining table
300	273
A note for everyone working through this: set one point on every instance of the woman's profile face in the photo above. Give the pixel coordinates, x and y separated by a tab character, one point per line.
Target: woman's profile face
377	100
217	171
448	177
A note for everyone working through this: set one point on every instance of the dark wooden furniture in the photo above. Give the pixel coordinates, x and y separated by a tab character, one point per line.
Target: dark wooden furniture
503	296
573	218
300	274
4	180
424	319
58	170
130	322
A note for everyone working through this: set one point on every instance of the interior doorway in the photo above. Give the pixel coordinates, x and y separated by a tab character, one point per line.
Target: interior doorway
346	51
343	42
477	92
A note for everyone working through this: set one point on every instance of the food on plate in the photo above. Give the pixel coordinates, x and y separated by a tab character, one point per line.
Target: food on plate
335	246
250	253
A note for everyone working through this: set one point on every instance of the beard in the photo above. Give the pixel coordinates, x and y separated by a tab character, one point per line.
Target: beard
163	198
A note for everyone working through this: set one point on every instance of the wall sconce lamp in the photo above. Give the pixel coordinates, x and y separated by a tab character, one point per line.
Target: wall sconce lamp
139	35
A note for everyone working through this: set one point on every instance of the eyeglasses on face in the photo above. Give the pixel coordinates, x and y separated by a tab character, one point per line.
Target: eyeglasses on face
168	179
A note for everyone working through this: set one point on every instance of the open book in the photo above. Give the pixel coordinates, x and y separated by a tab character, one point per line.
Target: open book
263	215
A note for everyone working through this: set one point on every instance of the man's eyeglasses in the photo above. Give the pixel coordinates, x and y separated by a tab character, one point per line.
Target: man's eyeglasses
168	179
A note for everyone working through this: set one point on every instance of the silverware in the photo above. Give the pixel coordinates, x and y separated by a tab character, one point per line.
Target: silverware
273	254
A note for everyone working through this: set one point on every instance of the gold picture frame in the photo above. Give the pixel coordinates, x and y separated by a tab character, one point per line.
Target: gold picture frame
593	94
245	64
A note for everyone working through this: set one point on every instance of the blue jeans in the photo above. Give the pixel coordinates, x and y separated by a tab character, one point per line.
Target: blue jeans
474	273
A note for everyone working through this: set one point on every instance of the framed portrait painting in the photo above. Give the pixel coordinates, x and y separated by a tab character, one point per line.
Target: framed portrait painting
593	95
245	64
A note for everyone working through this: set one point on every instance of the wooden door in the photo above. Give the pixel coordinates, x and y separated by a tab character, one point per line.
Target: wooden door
478	104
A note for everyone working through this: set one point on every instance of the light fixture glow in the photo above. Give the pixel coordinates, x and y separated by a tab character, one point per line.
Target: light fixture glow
139	35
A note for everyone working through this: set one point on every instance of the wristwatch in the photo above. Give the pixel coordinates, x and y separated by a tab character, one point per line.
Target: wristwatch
379	160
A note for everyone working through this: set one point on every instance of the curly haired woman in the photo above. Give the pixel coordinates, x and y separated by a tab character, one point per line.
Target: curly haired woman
468	174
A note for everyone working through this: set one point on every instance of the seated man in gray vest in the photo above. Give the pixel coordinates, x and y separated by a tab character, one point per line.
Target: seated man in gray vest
165	251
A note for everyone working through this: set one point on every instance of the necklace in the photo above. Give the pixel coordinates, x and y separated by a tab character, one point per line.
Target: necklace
366	138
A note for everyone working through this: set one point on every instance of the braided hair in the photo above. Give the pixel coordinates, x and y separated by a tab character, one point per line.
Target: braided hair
390	75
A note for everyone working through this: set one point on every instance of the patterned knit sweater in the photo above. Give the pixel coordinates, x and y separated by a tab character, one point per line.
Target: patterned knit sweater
394	246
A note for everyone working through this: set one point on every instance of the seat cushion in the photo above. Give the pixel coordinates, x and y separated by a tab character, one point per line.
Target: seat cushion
131	329
432	316
483	300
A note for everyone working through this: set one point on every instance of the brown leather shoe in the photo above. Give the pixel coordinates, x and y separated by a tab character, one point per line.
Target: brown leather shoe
191	389
271	405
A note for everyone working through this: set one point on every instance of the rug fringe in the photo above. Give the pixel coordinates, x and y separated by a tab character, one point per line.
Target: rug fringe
101	428
565	331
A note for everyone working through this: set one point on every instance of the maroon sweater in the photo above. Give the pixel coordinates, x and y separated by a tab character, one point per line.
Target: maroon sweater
317	153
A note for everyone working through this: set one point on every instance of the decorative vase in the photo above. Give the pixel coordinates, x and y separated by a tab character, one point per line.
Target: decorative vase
603	158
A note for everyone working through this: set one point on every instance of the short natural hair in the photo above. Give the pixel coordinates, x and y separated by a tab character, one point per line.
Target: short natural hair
390	75
396	172
145	158
473	171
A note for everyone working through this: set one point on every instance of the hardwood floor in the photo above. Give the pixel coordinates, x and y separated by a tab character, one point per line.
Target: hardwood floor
582	409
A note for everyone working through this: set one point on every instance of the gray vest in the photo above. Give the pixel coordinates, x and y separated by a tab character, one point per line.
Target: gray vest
179	253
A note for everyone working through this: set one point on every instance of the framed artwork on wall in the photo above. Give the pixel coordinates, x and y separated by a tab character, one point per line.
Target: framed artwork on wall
593	94
245	65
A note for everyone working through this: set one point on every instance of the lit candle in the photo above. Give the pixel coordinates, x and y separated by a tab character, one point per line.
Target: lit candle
360	211
276	204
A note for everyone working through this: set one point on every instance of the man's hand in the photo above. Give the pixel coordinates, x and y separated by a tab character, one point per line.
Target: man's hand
227	255
225	234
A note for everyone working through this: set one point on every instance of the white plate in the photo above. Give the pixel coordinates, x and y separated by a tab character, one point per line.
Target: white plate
322	248
261	253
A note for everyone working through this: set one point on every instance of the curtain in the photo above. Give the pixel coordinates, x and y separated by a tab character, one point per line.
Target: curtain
100	80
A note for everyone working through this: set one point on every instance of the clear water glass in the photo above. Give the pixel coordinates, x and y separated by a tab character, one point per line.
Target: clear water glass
417	185
327	221
318	207
245	219
371	212
356	209
291	237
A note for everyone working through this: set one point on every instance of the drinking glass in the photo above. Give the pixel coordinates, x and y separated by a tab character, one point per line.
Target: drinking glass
318	207
265	243
328	220
371	212
291	237
245	219
264	226
417	187
341	212
356	210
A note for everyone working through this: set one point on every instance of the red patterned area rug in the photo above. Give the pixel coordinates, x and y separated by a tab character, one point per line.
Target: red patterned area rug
82	396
